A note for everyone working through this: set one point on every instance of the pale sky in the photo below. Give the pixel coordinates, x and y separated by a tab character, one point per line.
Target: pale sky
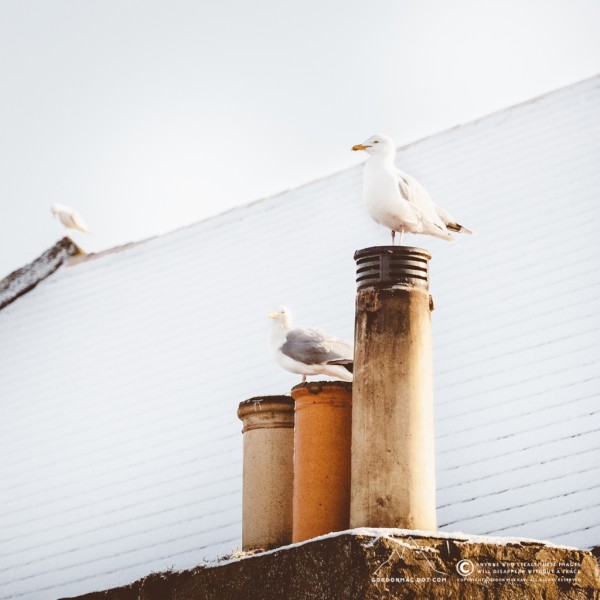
147	115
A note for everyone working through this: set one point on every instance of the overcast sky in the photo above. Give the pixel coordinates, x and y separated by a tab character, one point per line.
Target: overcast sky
147	115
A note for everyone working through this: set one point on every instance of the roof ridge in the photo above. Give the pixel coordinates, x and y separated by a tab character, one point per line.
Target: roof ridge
492	114
11	287
499	111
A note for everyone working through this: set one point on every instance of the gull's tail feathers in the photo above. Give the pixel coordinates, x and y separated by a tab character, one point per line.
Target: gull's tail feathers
458	228
347	363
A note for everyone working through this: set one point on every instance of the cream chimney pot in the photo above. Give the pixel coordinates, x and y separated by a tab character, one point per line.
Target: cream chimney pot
268	479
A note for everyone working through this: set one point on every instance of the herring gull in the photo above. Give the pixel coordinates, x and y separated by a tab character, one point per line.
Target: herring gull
308	351
398	201
69	217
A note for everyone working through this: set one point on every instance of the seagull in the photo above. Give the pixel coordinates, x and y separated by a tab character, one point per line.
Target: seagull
69	217
308	351
398	201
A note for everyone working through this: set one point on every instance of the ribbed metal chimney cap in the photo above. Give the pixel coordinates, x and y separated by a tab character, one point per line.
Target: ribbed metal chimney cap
387	266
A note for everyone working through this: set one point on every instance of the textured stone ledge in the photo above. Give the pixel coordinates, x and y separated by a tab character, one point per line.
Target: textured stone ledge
372	564
23	280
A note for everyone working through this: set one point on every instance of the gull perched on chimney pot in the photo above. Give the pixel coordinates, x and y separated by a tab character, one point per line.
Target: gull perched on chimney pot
69	217
308	351
398	201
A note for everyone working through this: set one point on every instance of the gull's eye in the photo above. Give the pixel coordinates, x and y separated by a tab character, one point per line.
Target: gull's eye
376	141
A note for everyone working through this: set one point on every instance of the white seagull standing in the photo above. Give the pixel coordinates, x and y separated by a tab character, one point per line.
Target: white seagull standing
69	217
308	351
398	201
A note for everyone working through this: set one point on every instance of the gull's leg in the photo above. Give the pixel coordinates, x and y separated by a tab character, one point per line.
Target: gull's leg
393	237
401	235
303	378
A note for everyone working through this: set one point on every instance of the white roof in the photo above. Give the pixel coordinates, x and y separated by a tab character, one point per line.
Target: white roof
121	375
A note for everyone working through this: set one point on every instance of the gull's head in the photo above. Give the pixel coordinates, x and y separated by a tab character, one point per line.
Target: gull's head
377	144
58	208
282	317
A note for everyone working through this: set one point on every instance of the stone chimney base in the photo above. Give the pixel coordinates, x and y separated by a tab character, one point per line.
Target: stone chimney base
370	564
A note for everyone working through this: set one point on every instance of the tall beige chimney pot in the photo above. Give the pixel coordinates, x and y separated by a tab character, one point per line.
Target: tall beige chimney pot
393	469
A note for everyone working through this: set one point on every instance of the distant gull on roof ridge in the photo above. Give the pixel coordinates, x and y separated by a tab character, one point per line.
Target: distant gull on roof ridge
69	217
308	351
398	201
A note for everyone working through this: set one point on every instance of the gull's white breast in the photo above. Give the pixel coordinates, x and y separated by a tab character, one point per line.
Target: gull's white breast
382	197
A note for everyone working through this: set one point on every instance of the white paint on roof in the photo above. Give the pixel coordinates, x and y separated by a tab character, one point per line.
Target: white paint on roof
121	376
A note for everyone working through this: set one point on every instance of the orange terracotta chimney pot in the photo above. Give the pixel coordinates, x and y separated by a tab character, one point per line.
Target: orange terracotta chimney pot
322	441
268	471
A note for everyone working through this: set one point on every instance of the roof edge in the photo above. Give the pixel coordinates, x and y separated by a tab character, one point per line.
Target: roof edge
23	280
12	280
495	113
404	146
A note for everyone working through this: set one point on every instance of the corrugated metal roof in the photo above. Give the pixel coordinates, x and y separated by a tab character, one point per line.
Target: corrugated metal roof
121	376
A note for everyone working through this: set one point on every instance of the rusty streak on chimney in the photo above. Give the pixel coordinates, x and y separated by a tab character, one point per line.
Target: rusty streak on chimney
393	469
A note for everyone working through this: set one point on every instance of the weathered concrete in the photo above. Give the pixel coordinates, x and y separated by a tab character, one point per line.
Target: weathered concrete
322	441
268	476
356	566
393	472
23	280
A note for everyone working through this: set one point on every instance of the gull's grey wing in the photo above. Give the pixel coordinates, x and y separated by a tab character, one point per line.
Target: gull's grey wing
421	201
314	347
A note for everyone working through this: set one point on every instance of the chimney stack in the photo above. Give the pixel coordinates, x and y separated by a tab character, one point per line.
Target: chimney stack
393	470
268	428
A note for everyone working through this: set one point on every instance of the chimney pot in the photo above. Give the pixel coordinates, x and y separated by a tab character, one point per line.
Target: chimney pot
322	458
268	428
393	474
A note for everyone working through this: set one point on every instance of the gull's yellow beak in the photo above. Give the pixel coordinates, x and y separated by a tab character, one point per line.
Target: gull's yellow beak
272	315
360	147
